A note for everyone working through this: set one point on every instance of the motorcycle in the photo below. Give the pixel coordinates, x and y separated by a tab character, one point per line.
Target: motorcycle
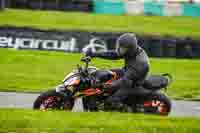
85	83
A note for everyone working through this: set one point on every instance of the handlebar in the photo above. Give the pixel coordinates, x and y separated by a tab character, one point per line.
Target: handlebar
86	60
84	71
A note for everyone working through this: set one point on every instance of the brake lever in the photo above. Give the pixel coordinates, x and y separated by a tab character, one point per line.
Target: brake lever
79	68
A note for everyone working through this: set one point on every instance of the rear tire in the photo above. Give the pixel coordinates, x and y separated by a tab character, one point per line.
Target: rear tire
160	103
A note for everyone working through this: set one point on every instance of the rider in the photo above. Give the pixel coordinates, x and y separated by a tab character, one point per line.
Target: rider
133	73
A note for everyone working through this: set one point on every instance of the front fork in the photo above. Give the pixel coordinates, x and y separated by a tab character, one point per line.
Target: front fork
67	98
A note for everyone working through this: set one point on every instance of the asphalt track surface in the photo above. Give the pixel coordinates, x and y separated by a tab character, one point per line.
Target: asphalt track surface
25	100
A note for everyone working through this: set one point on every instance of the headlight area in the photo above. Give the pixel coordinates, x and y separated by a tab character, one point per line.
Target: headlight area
72	81
60	88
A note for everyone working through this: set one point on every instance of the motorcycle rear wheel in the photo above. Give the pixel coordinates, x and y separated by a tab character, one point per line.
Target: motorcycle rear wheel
158	104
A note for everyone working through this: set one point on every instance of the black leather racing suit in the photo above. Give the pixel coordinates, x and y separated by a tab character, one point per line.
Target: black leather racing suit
134	72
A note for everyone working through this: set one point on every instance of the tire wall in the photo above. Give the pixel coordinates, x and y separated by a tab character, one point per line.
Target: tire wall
116	7
65	5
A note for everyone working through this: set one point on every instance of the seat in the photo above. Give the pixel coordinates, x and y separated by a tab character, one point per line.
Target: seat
156	82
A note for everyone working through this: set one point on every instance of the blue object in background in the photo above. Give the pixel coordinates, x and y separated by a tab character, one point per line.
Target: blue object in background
2	4
154	8
191	10
109	7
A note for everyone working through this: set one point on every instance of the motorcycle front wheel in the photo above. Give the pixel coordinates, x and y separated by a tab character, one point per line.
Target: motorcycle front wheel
51	100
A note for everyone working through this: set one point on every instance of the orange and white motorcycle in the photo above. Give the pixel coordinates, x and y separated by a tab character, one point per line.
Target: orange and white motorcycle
84	85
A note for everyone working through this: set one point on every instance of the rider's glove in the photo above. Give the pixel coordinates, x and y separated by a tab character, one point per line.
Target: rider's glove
89	53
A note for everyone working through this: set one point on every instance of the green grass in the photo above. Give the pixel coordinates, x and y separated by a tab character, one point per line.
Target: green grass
36	71
27	121
174	26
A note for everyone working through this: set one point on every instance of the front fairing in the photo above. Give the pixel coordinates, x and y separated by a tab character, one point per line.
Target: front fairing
75	72
75	78
71	74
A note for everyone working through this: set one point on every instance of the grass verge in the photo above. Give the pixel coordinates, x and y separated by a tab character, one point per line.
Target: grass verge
28	121
36	71
173	26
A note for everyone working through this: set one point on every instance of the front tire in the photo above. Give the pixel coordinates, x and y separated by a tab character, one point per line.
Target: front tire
51	100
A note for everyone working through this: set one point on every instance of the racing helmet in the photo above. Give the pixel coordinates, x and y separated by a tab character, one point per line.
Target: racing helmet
126	43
